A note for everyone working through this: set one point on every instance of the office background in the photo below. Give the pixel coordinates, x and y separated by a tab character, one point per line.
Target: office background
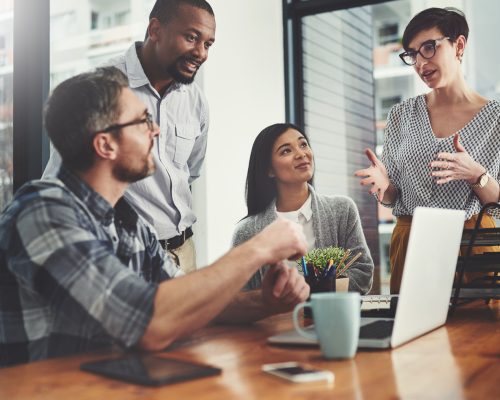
330	65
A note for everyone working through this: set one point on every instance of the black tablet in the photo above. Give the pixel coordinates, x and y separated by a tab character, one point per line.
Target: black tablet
149	370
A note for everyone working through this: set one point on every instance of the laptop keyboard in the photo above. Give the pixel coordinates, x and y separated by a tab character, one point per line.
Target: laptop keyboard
376	330
379	306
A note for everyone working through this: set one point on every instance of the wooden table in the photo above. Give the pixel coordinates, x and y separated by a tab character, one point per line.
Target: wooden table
460	360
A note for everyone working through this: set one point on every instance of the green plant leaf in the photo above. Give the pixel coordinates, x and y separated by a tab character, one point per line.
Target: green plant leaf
320	259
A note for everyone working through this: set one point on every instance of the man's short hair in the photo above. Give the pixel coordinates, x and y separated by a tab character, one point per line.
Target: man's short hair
78	108
165	10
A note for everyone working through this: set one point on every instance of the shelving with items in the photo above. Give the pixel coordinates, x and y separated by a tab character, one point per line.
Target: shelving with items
487	286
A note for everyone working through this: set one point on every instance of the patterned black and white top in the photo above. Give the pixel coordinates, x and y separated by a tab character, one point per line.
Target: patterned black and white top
410	146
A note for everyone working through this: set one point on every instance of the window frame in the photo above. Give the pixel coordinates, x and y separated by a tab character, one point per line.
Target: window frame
293	12
31	80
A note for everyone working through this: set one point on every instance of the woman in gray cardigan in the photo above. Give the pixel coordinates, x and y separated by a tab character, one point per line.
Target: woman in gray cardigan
279	180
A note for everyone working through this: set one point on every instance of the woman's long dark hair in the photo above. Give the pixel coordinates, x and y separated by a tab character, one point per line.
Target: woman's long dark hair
260	188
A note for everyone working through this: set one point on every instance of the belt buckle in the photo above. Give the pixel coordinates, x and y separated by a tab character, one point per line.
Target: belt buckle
183	239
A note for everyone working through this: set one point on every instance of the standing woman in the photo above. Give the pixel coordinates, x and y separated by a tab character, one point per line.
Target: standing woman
441	149
280	171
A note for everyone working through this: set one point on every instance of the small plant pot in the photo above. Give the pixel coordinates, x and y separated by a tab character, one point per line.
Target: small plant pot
324	284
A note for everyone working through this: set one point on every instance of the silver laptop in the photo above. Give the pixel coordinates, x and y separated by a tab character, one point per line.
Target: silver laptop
424	297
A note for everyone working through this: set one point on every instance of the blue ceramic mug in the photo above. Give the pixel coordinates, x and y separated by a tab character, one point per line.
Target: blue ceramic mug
337	318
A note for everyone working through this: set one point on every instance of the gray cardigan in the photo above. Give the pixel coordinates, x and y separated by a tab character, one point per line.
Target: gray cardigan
336	222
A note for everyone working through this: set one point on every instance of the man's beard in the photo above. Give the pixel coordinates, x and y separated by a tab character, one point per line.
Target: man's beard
124	173
178	76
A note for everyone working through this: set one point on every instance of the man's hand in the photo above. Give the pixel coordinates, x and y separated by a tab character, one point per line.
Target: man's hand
280	240
283	288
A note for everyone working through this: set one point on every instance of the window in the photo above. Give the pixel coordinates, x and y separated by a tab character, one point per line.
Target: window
106	28
6	102
63	24
94	18
388	33
336	89
122	17
3	52
386	104
345	75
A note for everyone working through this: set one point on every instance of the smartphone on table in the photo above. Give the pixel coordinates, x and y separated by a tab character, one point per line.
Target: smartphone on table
297	372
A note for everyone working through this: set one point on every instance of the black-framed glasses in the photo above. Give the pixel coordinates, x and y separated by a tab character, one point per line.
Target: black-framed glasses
426	50
148	120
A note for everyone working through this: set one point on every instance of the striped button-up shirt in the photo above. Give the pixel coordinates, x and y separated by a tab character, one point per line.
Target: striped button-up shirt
164	199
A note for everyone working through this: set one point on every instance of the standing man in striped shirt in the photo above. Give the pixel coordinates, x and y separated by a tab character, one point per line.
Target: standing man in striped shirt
161	71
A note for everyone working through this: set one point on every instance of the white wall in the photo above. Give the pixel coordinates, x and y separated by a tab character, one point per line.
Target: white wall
243	80
482	53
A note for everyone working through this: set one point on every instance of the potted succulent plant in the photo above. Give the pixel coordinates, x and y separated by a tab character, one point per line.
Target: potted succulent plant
325	269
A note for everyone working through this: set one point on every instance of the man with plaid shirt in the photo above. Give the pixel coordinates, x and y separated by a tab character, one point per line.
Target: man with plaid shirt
80	270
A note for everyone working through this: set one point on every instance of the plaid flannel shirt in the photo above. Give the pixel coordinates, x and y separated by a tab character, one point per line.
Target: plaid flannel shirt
63	287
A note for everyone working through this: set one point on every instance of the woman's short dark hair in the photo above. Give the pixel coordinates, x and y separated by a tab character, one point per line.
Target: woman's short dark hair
79	107
260	188
449	20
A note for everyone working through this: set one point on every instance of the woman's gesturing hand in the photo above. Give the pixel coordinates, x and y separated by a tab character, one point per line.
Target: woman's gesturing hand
375	175
456	166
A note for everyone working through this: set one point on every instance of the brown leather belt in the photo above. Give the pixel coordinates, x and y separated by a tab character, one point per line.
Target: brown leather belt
176	241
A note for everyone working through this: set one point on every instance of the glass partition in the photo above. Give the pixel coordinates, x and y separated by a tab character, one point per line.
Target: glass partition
349	78
6	101
85	34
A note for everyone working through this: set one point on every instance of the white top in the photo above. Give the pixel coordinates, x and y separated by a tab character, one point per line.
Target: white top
302	216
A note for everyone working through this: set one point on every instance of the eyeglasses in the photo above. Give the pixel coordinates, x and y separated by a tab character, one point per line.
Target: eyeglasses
426	50
148	120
